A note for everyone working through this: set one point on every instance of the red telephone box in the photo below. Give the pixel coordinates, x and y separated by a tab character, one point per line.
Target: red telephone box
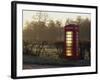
71	41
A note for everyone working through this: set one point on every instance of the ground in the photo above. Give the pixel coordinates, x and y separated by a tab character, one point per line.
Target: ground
33	62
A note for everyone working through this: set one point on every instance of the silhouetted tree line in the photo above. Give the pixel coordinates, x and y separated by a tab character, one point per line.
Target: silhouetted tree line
53	31
39	31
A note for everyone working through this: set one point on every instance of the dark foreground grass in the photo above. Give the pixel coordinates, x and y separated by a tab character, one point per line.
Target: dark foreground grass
45	62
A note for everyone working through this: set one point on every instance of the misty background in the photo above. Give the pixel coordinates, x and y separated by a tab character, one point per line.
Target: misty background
49	26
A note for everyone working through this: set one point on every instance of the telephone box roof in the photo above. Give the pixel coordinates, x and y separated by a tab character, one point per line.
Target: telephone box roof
71	25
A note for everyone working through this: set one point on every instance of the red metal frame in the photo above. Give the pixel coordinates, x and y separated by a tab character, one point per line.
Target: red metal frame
75	46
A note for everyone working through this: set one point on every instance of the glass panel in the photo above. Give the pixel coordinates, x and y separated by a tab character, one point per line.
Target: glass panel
67	42
76	32
76	38
68	48
69	54
76	35
68	51
69	38
69	33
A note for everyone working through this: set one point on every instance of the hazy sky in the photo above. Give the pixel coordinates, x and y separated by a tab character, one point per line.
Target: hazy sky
60	16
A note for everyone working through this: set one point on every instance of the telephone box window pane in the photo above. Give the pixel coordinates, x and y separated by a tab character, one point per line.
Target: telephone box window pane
76	36
68	51
68	42
77	33
68	54
69	38
68	48
69	33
